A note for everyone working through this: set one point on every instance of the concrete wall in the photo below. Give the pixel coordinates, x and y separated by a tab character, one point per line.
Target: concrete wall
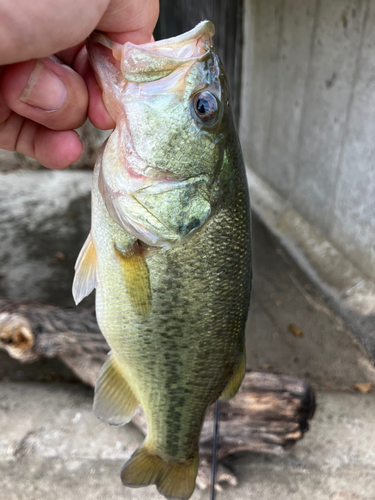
308	113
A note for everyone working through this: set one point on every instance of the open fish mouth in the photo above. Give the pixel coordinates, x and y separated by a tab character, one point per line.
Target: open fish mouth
155	60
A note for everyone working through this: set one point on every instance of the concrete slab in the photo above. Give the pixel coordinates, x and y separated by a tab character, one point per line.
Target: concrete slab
345	288
327	355
52	447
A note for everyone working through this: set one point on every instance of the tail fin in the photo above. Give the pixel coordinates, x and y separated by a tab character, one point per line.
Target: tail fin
174	481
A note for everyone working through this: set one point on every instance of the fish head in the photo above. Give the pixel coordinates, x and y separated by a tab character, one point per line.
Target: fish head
170	102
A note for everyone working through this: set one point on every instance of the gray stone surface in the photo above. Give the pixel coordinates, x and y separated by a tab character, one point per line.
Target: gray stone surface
347	289
353	224
8	160
52	447
307	116
327	355
335	46
291	60
44	221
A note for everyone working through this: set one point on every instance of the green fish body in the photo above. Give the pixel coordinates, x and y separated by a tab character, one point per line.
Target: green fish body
169	250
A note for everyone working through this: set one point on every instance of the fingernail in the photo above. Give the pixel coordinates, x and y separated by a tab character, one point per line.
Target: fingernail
44	90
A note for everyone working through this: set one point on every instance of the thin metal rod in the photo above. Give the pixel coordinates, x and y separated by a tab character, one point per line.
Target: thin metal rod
214	450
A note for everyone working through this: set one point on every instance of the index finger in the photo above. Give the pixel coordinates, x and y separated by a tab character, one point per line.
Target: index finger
130	21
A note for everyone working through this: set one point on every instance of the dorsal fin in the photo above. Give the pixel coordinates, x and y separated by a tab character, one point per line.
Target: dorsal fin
85	276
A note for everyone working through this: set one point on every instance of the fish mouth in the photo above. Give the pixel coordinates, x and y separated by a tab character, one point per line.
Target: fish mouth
150	61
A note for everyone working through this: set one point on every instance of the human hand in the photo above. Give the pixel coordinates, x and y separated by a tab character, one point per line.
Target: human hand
42	98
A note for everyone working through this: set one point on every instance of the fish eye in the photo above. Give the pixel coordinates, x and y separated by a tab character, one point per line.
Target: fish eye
205	106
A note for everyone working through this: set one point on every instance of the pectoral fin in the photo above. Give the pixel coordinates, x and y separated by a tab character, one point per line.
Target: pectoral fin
114	401
85	276
234	384
136	277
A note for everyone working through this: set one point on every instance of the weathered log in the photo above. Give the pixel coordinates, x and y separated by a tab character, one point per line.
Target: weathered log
269	414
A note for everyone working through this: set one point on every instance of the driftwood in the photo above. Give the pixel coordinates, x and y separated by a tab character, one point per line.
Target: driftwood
269	414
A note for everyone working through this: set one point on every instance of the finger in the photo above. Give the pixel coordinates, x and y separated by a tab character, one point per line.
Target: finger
68	56
130	21
5	111
56	149
46	92
53	149
97	111
35	29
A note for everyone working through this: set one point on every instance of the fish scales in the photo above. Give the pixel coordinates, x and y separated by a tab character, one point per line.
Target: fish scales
183	337
172	269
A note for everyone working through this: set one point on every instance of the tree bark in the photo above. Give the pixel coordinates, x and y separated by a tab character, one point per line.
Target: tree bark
269	414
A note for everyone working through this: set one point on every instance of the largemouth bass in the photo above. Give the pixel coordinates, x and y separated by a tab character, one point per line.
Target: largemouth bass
169	250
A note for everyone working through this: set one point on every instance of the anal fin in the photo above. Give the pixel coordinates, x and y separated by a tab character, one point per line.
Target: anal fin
234	384
174	481
85	276
114	401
